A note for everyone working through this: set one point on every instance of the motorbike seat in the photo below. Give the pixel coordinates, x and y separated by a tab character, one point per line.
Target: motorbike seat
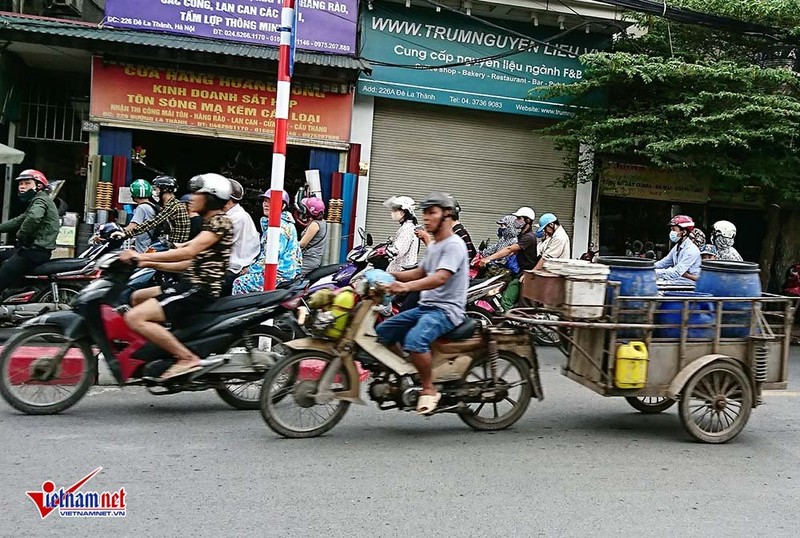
248	300
323	271
463	331
60	266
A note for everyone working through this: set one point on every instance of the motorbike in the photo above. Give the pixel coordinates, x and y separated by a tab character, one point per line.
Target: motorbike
50	364
52	285
486	375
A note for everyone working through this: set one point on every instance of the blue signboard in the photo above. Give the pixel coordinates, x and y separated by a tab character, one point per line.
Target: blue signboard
417	54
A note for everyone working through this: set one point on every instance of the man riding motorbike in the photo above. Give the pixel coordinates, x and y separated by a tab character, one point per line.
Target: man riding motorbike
36	230
443	279
205	257
682	265
172	212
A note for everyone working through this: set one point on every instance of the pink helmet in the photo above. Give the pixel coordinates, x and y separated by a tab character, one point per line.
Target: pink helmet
286	200
314	206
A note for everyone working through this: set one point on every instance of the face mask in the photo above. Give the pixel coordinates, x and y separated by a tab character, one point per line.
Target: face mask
674	236
397	216
27	196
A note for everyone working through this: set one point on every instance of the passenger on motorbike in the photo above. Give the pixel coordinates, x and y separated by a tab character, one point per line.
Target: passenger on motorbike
315	235
195	220
525	249
723	234
245	237
146	209
173	213
35	230
683	261
290	256
443	279
205	260
508	228
406	242
555	243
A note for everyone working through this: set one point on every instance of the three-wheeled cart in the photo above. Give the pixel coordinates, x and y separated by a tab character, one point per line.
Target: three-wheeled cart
713	356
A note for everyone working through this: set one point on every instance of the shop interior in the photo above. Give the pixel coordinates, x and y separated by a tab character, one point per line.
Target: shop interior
634	227
184	156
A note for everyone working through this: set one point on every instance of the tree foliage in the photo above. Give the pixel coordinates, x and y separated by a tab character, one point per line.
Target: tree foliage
722	107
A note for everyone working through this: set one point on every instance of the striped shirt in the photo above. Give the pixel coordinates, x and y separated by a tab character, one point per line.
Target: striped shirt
174	212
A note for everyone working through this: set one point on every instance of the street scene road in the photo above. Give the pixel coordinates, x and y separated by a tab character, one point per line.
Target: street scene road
575	465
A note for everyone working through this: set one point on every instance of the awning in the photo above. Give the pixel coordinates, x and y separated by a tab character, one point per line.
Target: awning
10	155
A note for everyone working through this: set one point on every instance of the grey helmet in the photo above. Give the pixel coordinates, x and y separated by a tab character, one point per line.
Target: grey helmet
441	199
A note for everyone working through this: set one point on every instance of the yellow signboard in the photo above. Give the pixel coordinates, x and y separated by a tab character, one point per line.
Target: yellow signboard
636	181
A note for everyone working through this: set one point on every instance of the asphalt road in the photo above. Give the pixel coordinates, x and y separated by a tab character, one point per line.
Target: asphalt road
576	465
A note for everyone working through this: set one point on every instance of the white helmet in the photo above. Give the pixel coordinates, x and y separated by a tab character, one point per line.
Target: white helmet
724	228
526	212
213	184
406	203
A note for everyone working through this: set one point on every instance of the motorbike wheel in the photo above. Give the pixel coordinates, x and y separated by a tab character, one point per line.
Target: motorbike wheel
650	405
244	393
282	402
512	371
546	336
65	294
41	361
481	315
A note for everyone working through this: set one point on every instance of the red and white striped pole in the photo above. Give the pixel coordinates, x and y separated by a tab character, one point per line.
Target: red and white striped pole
279	144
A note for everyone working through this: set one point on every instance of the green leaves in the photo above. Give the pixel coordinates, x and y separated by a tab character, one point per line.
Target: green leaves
723	107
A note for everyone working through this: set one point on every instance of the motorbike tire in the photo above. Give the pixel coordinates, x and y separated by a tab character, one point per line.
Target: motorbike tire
72	292
82	387
474	421
230	396
267	401
480	314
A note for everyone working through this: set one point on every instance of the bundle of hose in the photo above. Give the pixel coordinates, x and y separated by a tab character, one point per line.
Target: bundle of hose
104	197
349	198
335	210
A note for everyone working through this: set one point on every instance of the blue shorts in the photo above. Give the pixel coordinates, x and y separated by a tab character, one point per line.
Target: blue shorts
415	329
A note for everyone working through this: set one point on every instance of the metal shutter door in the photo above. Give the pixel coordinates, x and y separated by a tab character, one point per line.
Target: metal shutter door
492	163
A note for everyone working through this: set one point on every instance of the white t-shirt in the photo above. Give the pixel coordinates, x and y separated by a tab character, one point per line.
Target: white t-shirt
246	243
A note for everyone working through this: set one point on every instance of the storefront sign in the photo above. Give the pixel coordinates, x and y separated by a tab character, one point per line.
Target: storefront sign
511	65
635	181
322	25
217	104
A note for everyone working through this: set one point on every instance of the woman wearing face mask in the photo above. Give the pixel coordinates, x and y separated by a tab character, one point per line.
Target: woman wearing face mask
406	241
723	234
682	265
507	231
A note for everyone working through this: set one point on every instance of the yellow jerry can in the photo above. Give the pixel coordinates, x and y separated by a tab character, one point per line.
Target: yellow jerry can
631	367
343	303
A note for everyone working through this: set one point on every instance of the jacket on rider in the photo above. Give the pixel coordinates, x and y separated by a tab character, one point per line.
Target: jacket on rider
38	226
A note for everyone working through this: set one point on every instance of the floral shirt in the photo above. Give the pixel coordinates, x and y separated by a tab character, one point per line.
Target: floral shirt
407	244
290	258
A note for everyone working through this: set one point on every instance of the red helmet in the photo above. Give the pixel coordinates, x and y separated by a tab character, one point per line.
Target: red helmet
682	221
35	175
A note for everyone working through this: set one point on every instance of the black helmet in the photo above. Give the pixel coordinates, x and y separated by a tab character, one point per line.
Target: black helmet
108	229
166	183
456	209
441	199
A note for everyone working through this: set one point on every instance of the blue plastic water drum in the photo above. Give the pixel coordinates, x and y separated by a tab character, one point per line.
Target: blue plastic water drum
701	316
637	278
723	278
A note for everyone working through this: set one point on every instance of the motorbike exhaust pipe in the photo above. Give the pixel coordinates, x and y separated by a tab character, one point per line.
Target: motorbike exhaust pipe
24	312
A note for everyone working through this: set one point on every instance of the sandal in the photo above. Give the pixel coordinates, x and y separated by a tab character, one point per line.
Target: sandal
177	370
427	403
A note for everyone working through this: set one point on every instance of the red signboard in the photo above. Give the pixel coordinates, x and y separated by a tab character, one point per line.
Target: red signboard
222	105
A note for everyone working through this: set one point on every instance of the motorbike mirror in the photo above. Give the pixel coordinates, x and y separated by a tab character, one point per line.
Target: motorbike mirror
361	233
369	240
482	246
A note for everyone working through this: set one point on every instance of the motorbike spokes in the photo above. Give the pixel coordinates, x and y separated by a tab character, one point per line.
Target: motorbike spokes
291	400
505	392
43	372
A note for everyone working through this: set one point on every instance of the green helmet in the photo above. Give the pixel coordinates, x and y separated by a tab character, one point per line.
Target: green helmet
141	189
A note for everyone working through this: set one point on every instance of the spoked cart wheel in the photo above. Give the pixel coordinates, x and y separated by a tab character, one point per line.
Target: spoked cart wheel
716	402
650	405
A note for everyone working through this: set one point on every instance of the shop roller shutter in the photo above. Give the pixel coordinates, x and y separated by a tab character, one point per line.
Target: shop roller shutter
493	164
